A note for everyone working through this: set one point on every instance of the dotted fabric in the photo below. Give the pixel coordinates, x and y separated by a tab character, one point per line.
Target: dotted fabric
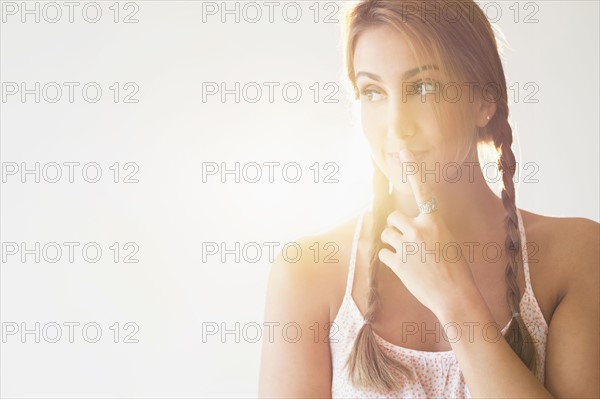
438	373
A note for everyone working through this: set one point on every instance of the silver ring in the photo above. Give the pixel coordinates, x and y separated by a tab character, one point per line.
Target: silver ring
429	206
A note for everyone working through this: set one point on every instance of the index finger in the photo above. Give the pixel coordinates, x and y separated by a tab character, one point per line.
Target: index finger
420	189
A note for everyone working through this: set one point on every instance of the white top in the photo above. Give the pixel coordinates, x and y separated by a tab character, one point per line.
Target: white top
438	373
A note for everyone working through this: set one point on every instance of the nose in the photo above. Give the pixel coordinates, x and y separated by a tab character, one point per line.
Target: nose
399	120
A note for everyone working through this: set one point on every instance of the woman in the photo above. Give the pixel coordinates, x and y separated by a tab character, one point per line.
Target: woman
417	306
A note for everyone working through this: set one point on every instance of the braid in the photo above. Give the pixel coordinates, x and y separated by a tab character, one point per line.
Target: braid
368	366
469	52
517	336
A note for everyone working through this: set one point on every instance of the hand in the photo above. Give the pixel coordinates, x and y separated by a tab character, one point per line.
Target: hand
427	259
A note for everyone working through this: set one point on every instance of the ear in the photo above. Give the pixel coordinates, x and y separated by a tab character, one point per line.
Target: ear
484	112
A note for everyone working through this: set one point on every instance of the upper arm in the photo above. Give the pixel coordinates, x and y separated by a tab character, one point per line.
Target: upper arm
572	353
295	361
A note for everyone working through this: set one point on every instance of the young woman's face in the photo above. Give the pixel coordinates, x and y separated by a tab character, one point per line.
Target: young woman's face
397	104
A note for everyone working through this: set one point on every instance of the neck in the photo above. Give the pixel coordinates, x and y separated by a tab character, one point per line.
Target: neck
468	206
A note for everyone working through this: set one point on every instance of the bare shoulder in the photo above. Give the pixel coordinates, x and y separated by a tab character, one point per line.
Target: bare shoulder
298	302
573	246
308	274
314	263
570	243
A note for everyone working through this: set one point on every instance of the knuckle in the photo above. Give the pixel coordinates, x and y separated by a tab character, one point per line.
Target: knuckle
391	218
384	234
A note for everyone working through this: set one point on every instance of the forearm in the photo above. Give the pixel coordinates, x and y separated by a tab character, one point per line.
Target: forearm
489	365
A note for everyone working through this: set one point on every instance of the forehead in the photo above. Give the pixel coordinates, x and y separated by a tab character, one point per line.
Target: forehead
384	51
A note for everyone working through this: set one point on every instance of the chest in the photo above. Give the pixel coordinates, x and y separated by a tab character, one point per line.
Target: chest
402	320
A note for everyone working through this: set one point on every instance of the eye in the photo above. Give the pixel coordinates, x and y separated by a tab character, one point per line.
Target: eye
372	94
423	88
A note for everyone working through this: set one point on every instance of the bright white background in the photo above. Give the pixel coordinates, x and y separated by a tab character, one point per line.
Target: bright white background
170	212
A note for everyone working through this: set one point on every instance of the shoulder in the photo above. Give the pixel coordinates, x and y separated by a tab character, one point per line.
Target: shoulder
572	247
310	267
300	282
572	244
570	238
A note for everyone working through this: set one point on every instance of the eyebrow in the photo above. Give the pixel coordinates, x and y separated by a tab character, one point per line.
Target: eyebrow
406	75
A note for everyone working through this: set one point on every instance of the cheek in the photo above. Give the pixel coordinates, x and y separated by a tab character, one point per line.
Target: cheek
374	132
436	136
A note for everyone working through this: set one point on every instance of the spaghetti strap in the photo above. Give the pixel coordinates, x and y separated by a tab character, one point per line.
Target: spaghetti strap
352	266
437	374
524	251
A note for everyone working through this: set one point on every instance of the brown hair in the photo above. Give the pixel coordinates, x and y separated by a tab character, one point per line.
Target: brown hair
457	34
